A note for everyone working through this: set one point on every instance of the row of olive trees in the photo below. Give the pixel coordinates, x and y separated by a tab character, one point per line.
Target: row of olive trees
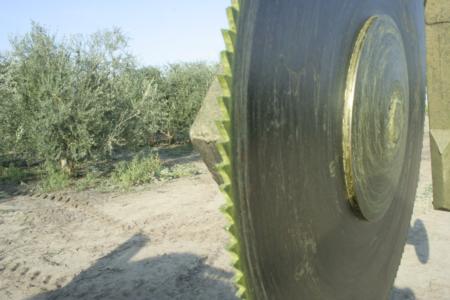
83	98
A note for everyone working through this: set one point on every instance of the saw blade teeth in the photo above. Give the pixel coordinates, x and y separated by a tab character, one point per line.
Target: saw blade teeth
224	151
224	170
228	211
238	276
225	84
224	147
239	280
224	167
236	4
241	292
225	107
232	228
229	38
227	127
233	246
228	207
232	15
240	283
230	218
226	187
234	257
227	62
222	128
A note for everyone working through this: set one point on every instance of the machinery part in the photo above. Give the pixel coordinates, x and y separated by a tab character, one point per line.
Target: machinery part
297	125
438	65
375	123
204	134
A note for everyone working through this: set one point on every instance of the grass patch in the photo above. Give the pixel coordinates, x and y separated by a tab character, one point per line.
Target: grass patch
53	179
139	171
107	176
13	174
146	169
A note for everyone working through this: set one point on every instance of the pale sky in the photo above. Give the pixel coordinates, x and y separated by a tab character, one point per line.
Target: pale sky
160	31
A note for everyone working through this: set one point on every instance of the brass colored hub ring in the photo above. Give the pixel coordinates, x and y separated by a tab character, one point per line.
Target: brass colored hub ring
375	120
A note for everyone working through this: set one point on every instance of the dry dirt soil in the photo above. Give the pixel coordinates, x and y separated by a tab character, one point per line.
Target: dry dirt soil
167	242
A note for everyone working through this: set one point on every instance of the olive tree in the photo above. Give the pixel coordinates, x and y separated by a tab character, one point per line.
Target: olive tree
72	97
82	98
184	88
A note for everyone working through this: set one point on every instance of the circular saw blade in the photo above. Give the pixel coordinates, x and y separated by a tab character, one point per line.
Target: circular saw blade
296	235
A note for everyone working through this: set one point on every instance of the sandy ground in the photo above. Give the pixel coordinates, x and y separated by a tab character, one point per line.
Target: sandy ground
424	272
167	242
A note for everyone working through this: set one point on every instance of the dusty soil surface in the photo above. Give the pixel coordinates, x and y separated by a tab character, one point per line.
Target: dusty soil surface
424	272
167	242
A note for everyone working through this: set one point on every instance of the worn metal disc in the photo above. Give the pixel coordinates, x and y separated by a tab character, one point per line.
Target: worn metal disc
375	121
326	151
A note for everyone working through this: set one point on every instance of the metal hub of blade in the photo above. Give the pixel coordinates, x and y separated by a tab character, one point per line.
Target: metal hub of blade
375	122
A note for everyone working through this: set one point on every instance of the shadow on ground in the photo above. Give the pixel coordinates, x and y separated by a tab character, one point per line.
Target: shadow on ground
170	276
418	238
402	294
176	275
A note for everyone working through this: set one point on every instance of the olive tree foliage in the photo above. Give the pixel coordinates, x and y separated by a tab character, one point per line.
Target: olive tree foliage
9	117
68	100
81	98
184	88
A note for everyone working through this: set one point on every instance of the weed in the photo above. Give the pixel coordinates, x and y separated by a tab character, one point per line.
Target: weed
53	178
139	171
